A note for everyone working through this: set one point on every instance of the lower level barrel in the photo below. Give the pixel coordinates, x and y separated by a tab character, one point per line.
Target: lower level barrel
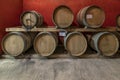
45	43
105	43
15	43
75	43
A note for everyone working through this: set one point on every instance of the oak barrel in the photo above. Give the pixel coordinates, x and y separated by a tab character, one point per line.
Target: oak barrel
118	21
15	43
45	43
63	16
91	16
75	43
105	43
31	19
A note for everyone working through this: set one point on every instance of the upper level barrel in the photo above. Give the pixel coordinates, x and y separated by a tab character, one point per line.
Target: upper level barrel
31	19
91	16
63	16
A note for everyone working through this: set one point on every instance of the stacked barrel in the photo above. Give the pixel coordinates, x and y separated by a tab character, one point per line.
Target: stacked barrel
45	43
91	16
63	17
31	19
76	43
15	43
105	43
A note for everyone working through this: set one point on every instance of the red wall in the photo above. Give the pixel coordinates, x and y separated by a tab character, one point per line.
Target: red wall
46	8
10	11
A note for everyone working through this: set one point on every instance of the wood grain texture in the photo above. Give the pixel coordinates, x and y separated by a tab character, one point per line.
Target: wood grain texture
91	16
45	43
63	16
105	43
95	17
15	43
30	19
19	29
108	44
75	43
60	69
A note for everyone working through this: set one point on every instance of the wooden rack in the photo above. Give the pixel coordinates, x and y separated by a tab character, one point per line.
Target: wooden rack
20	29
62	55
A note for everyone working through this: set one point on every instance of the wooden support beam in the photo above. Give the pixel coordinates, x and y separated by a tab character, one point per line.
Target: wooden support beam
19	29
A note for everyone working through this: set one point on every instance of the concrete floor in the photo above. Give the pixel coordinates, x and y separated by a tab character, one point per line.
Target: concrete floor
60	69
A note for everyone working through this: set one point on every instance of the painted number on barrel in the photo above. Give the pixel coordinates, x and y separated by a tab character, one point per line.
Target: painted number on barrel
89	16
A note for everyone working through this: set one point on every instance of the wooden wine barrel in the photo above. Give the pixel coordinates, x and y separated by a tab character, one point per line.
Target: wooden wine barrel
118	21
105	43
15	43
91	16
31	19
117	34
45	43
63	16
75	43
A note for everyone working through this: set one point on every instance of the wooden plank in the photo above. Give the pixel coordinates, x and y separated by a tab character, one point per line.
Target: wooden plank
32	30
57	30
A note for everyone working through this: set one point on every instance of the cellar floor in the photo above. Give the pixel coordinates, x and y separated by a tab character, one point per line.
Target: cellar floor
59	66
60	69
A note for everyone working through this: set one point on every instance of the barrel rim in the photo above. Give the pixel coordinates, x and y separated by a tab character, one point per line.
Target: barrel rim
80	12
5	37
110	54
68	36
24	13
43	33
54	12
